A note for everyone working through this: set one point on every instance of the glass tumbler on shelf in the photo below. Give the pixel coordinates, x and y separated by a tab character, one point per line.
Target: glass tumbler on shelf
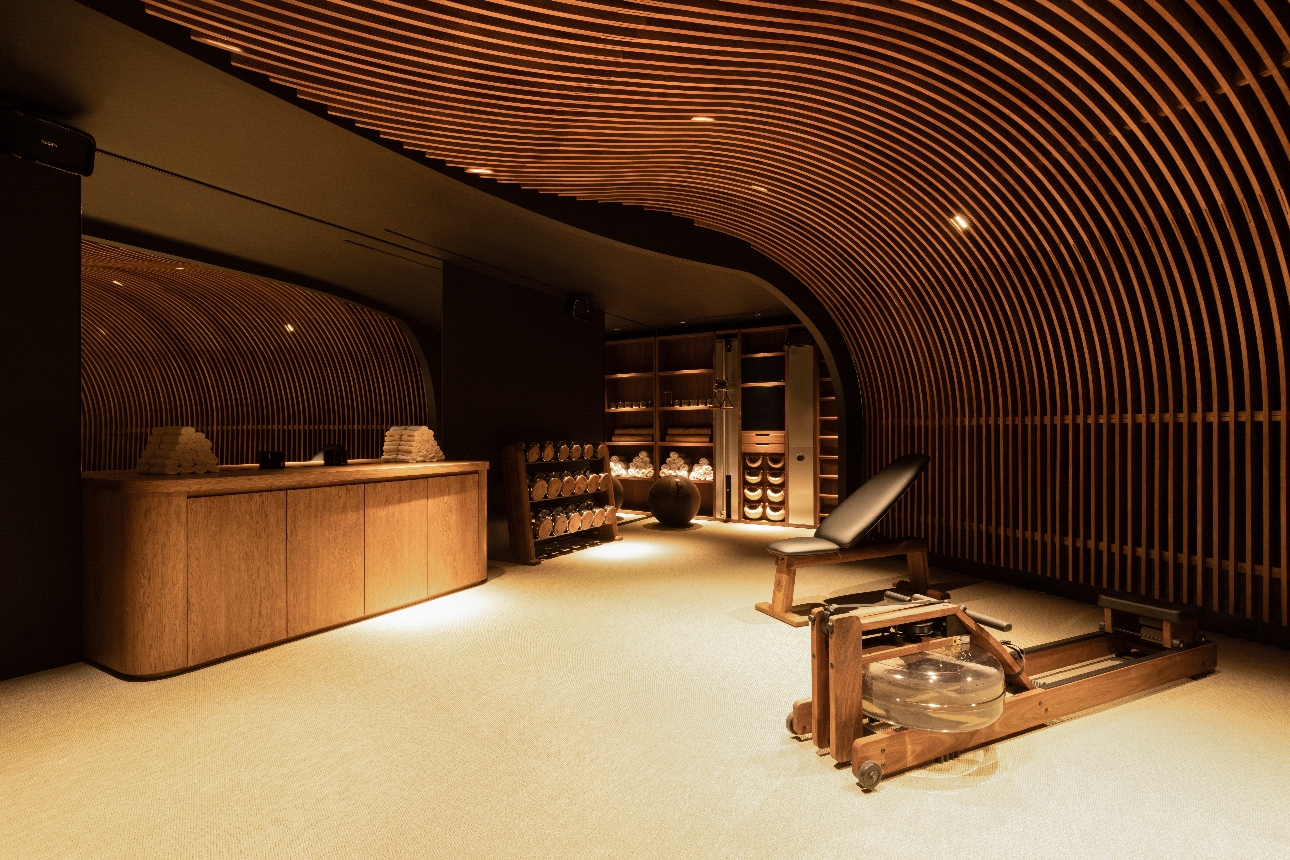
667	399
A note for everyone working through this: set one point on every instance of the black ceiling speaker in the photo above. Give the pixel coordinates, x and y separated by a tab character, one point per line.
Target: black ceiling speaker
580	308
47	143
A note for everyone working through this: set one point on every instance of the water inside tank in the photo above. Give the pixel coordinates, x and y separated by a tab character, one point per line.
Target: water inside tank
939	691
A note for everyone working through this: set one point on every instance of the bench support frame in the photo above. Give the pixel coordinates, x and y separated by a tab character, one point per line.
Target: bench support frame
786	567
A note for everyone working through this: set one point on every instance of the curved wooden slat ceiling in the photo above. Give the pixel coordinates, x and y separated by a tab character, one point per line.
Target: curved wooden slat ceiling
173	342
1095	361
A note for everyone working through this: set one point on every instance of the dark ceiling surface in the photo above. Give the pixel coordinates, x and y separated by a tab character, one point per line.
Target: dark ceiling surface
343	210
1055	233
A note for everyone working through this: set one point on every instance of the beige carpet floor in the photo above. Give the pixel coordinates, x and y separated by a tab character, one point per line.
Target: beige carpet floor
624	701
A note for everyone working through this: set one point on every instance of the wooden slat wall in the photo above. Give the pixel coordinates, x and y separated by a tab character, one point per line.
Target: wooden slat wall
170	342
1096	364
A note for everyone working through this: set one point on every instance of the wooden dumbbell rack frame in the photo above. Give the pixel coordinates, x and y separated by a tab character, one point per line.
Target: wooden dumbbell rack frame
843	642
519	504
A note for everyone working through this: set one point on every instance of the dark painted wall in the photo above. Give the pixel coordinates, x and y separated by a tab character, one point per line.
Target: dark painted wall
516	368
40	353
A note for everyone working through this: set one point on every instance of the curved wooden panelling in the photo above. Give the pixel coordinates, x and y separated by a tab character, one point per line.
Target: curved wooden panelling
169	342
1096	362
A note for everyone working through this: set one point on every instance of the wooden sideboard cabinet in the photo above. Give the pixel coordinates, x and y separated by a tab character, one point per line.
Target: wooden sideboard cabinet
184	570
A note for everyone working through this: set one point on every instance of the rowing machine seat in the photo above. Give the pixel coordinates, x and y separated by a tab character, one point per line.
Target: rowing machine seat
1148	608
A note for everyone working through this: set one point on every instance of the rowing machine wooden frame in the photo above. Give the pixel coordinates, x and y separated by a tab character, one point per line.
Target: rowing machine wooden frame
838	656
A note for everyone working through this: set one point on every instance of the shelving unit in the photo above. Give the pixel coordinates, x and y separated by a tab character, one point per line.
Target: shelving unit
679	368
518	472
662	370
762	411
826	434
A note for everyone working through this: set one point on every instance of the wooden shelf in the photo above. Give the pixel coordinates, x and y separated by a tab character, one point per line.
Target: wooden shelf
830	397
822	436
829	457
685	372
761	384
828	495
685	444
633	409
684	408
762	354
629	376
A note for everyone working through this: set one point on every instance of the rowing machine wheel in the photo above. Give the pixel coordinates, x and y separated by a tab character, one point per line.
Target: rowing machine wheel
869	775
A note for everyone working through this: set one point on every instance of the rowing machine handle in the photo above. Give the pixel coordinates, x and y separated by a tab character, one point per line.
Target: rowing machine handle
987	621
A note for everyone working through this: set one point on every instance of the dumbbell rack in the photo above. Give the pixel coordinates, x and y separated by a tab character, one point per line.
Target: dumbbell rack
516	471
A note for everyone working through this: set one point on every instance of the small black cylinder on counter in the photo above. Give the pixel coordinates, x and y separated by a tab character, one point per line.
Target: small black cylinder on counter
272	459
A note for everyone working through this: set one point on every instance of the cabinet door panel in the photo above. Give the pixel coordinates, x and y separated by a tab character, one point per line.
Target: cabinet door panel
394	545
136	603
237	573
324	557
457	556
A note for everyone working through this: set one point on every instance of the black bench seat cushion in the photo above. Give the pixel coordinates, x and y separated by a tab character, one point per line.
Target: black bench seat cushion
1145	606
803	546
856	517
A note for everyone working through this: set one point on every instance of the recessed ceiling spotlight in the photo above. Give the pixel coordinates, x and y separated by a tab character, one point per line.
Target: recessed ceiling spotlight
702	119
480	171
222	45
961	221
118	283
289	327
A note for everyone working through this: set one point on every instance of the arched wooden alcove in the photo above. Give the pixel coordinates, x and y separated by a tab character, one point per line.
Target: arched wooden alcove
253	363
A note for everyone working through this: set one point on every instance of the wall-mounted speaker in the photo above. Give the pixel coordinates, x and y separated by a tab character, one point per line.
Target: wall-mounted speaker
580	308
45	142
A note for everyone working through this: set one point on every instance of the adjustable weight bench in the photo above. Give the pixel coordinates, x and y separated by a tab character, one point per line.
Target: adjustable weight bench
841	538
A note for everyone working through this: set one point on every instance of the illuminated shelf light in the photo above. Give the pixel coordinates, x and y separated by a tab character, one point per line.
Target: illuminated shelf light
702	119
479	171
961	221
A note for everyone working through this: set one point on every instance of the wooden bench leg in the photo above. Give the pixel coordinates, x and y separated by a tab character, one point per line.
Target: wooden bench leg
917	564
781	601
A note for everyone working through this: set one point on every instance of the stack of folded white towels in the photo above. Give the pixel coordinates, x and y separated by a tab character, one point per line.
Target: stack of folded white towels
676	465
641	467
177	451
617	466
410	444
702	472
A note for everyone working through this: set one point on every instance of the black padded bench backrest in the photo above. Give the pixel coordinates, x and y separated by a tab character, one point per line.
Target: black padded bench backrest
856	517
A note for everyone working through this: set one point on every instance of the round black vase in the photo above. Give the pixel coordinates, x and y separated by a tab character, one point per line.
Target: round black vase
674	501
